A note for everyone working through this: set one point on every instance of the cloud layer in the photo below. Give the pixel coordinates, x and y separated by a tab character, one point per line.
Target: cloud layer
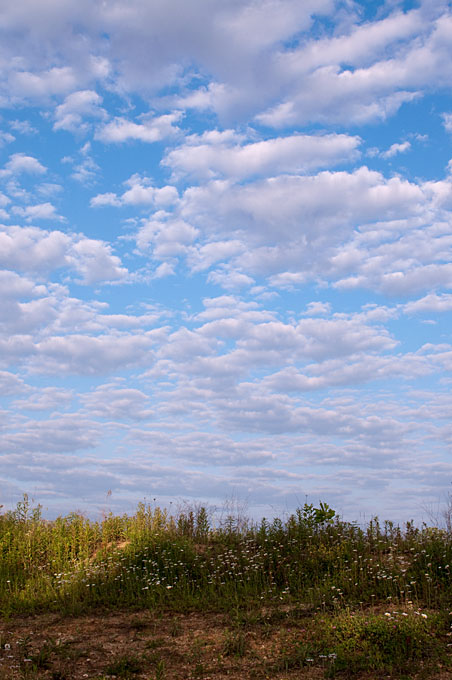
225	250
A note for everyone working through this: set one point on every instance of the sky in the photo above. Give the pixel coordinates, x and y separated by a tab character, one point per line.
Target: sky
225	251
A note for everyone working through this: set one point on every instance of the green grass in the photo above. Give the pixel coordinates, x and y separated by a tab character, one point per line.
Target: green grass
379	596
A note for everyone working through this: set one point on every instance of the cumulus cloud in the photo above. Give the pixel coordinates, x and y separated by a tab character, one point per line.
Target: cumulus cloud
64	433
109	198
20	163
283	372
91	355
4	200
23	127
447	118
6	138
113	401
44	83
11	384
394	149
371	86
76	107
355	229
152	129
45	399
362	71
203	157
297	226
30	249
230	279
430	303
166	236
41	211
140	191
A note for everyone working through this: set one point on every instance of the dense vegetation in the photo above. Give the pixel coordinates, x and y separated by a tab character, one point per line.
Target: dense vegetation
376	598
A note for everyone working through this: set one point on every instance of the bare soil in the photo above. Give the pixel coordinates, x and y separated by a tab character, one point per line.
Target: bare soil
162	646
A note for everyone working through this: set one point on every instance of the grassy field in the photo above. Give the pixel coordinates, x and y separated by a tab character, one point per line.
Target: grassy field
157	596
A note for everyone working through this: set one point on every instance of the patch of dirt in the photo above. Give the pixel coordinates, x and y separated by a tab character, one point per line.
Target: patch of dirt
153	645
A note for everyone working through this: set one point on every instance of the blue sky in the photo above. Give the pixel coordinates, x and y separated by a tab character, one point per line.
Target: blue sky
225	241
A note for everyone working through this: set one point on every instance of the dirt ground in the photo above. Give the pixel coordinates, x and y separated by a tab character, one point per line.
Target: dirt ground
153	646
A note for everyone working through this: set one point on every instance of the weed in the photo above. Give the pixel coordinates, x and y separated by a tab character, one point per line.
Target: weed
235	643
155	643
176	628
139	624
42	658
160	670
124	666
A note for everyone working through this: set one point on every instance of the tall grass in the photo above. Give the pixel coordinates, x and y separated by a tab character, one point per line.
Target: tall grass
155	559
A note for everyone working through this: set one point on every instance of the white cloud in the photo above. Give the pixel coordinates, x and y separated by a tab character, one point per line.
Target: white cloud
354	229
11	384
6	138
66	432
95	261
31	249
105	199
49	189
52	81
116	402
430	303
4	200
164	269
376	85
287	280
317	308
230	279
166	237
23	127
71	114
45	399
447	118
86	171
140	192
89	355
152	129
14	286
292	154
363	70
41	211
294	224
19	163
253	387
204	256
394	149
